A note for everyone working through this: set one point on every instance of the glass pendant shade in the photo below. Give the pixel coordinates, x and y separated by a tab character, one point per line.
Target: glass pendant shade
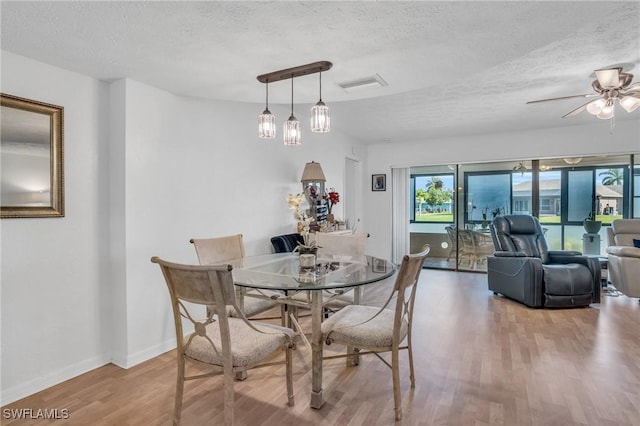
596	106
291	127
266	120
266	125
607	111
291	131
629	103
320	118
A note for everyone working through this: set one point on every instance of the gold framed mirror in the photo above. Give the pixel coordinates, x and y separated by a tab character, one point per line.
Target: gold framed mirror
31	158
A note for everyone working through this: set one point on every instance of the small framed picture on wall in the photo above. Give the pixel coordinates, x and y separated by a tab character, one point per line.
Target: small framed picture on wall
379	182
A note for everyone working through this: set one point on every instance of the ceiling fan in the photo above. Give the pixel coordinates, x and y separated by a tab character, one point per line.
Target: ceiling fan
610	85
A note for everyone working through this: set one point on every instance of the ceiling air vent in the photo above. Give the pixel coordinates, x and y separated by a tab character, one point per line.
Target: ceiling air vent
363	83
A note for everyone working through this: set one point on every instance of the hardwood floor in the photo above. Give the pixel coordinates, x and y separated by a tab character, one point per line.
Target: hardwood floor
480	360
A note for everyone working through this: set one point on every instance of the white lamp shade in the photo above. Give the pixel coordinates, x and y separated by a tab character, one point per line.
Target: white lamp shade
607	112
320	118
312	173
266	125
629	103
594	107
291	132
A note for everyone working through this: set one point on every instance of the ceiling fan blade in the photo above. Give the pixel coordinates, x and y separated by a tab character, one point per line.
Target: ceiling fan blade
577	110
635	87
564	97
609	78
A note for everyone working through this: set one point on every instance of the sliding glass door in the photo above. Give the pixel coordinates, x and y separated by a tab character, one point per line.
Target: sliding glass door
453	205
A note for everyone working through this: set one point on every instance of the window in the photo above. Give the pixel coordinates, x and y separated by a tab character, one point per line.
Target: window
488	195
521	190
550	196
433	197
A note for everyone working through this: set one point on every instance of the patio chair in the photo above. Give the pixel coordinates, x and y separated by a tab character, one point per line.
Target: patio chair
453	240
475	247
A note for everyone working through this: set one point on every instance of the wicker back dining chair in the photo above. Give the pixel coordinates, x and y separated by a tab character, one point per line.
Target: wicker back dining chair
216	251
382	329
230	345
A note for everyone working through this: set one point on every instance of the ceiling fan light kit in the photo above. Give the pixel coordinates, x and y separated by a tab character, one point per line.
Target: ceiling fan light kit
611	85
320	115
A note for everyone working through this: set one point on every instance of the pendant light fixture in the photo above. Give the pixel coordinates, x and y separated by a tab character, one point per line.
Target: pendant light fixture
266	120
291	127
320	117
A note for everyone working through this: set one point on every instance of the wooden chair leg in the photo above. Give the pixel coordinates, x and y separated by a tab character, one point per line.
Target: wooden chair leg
179	391
228	398
395	371
412	373
289	373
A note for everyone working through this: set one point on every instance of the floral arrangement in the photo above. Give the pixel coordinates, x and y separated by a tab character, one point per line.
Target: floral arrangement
304	220
332	198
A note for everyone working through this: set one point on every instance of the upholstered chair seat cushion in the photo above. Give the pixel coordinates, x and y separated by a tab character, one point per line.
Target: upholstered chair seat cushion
253	306
248	345
376	333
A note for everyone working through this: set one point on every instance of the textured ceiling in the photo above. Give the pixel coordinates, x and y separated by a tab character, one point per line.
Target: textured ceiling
452	68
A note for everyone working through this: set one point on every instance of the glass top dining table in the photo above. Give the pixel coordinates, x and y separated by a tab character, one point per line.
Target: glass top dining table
282	273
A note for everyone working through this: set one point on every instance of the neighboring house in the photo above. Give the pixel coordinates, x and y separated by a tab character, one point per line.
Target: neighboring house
609	195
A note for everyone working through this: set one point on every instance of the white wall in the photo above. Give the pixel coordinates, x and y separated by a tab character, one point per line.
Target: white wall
575	141
81	291
53	289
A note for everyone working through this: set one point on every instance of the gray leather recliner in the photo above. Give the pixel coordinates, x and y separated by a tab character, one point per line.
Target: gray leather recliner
524	269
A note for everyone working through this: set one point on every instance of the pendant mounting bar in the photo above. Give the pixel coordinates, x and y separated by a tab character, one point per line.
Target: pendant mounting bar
295	72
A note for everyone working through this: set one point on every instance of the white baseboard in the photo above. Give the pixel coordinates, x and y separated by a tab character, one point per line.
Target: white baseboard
146	354
7	396
55	377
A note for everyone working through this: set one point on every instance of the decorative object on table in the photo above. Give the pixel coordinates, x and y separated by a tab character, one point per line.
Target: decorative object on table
307	260
379	182
332	197
320	118
301	216
313	189
591	224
